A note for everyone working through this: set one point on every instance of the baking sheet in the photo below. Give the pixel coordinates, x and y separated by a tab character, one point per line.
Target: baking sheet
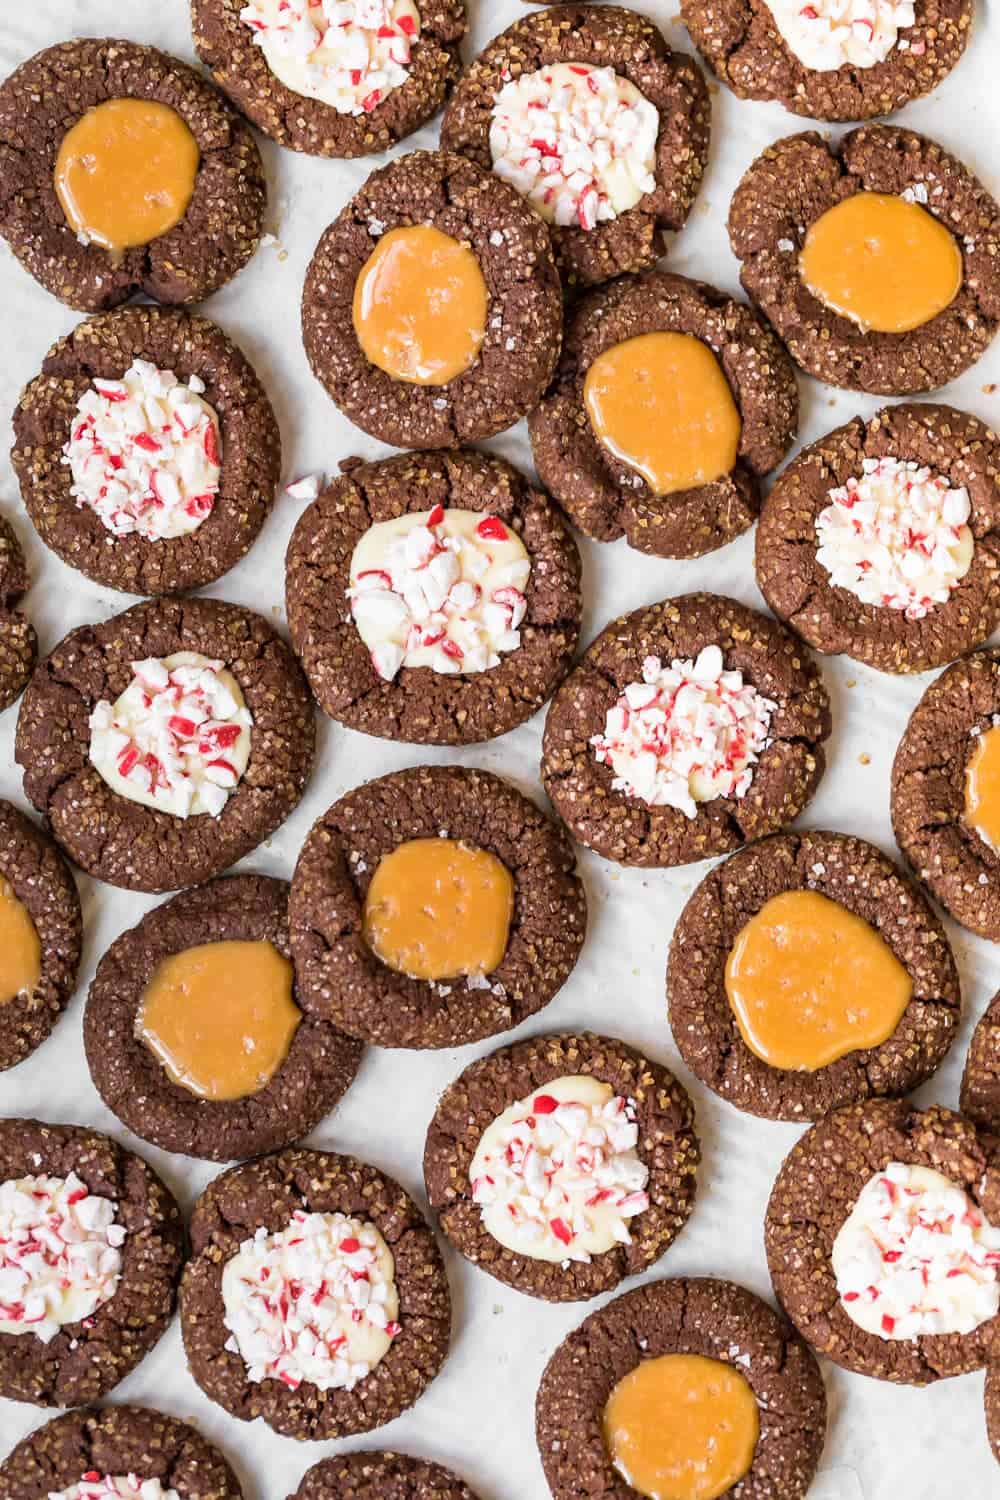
478	1414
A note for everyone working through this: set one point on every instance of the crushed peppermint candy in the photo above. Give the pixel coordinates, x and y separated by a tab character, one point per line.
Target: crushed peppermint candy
60	1253
306	488
898	537
145	453
443	589
350	54
557	1175
316	1302
96	1486
685	734
178	737
578	142
829	34
916	1257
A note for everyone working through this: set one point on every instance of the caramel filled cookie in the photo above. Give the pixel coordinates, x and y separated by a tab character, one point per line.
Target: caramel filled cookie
76	1320
197	1036
686	729
124	171
433	598
432	310
670	403
434	907
41	934
166	742
875	257
344	85
585	110
881	539
881	1237
831	61
511	1167
273	1324
807	972
147	451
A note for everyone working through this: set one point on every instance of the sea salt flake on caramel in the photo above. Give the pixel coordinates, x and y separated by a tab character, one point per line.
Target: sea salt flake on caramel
883	262
661	404
420	306
20	949
682	1427
220	1017
125	173
809	981
439	909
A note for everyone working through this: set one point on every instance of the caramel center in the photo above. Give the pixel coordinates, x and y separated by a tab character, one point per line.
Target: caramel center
125	172
20	950
808	982
437	909
220	1017
682	1427
982	788
420	306
661	404
886	264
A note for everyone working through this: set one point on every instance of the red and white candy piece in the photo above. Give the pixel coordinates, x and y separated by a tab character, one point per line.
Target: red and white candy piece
178	737
443	589
60	1253
145	453
579	142
686	734
97	1486
897	538
307	488
916	1257
350	54
315	1303
557	1175
828	34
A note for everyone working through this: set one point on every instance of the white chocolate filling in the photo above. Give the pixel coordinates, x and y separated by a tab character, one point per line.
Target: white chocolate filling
829	34
95	1486
349	54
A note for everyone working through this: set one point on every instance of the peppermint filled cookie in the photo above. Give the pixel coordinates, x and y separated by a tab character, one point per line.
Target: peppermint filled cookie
117	1454
434	907
946	791
686	729
831	60
562	1164
197	1036
18	641
585	110
882	539
122	170
670	403
91	1246
980	1097
380	1476
315	1296
691	1388
806	973
883	1243
433	598
41	933
432	310
875	257
147	451
332	77
165	743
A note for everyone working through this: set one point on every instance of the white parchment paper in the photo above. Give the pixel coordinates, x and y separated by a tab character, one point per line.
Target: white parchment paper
478	1415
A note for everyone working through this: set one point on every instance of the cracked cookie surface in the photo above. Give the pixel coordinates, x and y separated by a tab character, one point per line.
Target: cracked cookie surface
420	705
124	842
859	877
18	640
524	317
221	228
380	1476
793	183
715	1319
340	975
814	1193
